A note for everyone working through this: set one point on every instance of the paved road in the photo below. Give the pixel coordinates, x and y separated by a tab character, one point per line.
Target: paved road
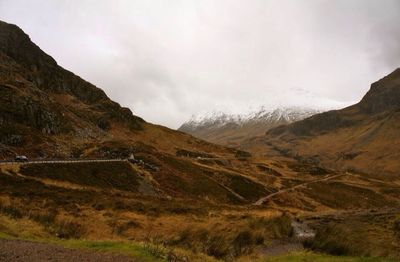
22	251
263	199
56	161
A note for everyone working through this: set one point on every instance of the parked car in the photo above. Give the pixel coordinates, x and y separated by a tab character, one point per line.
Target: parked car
21	159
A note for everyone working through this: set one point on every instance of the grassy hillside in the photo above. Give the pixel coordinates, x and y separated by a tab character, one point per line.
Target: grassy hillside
362	137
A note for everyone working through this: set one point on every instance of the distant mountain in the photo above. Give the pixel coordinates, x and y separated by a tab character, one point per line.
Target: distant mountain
364	136
232	129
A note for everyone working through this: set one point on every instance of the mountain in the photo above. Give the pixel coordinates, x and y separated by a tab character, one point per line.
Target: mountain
182	198
233	129
40	101
362	137
49	112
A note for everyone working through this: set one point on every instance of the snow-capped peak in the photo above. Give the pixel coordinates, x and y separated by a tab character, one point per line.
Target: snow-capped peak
217	119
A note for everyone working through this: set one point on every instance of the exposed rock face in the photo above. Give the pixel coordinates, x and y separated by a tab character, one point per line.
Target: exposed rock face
38	98
383	97
48	112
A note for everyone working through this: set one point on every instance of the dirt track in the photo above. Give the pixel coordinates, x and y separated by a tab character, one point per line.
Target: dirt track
263	199
21	251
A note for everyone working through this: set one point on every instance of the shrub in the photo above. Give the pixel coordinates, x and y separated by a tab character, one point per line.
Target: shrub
68	229
242	154
216	246
396	226
120	228
279	227
10	211
155	246
242	243
259	239
331	240
44	218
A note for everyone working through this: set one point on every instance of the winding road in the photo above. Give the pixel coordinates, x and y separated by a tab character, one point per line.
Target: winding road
264	199
57	161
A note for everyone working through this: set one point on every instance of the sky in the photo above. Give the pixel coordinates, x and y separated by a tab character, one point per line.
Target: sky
170	59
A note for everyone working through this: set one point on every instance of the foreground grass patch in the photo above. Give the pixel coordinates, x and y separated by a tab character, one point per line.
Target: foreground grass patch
312	257
5	236
128	248
144	252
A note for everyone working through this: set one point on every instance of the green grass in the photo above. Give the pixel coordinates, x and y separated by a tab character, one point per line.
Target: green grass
5	236
136	250
313	257
128	248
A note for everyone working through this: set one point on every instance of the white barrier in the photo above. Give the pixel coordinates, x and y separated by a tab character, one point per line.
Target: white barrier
62	161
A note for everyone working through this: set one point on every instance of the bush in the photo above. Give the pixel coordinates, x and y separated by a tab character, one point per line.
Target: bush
331	240
10	211
396	227
279	227
242	243
44	218
216	246
120	228
68	229
242	154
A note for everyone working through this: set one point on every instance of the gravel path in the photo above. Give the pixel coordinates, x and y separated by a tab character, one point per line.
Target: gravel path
264	199
21	251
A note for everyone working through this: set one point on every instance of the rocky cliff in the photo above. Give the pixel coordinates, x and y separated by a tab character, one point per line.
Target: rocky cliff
39	99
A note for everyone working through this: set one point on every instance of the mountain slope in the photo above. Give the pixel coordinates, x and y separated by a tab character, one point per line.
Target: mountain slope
179	192
48	112
364	136
231	129
41	101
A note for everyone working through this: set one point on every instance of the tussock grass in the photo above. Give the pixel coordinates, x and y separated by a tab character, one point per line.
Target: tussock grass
62	228
133	249
116	175
364	235
313	257
232	242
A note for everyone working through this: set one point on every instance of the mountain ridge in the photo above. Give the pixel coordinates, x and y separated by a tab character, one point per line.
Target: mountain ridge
231	129
47	112
363	136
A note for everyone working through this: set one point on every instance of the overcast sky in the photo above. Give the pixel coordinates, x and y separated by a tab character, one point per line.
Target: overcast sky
169	59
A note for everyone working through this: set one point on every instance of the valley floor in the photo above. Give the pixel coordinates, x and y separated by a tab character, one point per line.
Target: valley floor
101	251
21	251
116	207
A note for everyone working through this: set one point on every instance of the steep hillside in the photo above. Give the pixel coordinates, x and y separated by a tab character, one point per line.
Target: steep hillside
364	136
43	104
231	130
181	198
48	112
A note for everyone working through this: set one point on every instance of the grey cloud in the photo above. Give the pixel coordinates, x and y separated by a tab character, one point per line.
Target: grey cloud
167	60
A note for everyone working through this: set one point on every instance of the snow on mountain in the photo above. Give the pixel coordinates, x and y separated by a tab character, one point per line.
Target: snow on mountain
218	119
232	123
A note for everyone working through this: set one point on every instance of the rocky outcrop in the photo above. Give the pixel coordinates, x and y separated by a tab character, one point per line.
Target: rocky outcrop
383	97
363	137
31	86
30	78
